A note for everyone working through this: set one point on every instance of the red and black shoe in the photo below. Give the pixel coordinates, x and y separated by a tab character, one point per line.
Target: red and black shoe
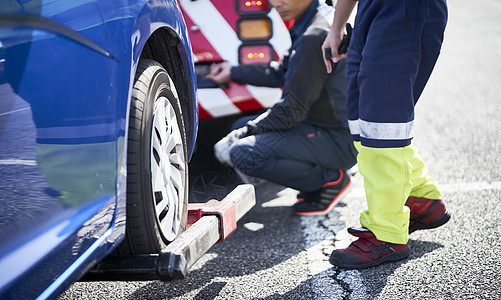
426	213
322	201
302	195
367	251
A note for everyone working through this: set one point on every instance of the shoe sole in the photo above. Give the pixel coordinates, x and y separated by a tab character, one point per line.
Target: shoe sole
437	223
396	256
343	192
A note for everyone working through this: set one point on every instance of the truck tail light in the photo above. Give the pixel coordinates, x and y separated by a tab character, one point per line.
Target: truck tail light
246	7
254	29
255	54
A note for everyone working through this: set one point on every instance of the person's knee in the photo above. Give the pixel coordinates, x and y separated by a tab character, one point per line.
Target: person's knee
245	158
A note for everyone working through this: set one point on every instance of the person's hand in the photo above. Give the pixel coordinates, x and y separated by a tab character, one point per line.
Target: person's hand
219	72
332	42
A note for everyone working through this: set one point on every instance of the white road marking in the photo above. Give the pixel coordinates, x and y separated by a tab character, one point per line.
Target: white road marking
449	188
319	233
470	186
18	162
13	111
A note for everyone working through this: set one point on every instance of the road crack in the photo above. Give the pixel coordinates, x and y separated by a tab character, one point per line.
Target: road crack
338	277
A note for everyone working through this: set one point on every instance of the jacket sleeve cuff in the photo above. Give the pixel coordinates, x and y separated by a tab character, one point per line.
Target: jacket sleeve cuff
237	74
253	128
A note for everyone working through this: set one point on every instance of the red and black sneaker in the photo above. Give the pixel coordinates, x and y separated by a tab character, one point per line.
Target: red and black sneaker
322	201
301	196
367	251
426	213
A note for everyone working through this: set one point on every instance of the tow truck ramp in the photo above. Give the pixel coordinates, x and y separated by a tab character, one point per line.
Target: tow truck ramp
208	223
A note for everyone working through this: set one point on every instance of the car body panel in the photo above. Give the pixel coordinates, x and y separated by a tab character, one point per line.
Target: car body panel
66	70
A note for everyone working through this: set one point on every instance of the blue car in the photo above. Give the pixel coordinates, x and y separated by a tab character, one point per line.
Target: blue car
98	120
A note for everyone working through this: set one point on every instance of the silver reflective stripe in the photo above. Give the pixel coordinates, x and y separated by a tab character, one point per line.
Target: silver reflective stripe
354	126
386	131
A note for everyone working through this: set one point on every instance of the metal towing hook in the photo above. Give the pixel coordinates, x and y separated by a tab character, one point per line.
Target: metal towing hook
208	223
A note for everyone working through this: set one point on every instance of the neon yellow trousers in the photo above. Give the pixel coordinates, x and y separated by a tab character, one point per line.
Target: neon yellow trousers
391	175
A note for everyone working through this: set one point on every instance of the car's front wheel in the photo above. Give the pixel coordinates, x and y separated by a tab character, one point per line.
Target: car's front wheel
157	167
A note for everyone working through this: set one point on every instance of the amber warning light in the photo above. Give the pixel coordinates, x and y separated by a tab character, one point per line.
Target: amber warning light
252	6
255	54
254	29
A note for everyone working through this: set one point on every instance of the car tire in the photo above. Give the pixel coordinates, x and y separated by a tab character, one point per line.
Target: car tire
157	163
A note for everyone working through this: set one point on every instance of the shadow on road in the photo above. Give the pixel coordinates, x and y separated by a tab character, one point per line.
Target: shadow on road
263	241
265	244
208	178
352	284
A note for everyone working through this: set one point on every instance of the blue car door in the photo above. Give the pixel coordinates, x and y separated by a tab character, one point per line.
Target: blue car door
59	135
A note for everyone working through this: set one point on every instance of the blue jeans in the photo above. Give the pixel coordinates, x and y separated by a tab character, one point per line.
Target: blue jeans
304	158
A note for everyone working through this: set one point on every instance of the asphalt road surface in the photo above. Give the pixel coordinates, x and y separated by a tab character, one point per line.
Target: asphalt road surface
275	255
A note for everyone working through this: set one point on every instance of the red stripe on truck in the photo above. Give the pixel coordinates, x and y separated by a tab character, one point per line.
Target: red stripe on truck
202	49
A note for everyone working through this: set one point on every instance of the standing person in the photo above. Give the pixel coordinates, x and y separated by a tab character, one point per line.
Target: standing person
303	141
393	50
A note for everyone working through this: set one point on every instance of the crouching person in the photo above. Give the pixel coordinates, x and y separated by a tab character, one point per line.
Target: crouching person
303	141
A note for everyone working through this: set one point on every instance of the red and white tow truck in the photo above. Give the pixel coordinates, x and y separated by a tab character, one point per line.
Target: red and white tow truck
239	32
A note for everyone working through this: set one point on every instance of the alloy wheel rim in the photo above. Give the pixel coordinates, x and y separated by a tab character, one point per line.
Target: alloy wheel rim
167	169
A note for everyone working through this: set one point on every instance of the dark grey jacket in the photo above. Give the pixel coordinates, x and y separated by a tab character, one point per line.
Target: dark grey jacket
309	93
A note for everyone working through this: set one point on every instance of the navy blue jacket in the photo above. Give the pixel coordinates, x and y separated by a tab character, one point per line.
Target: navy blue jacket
309	93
